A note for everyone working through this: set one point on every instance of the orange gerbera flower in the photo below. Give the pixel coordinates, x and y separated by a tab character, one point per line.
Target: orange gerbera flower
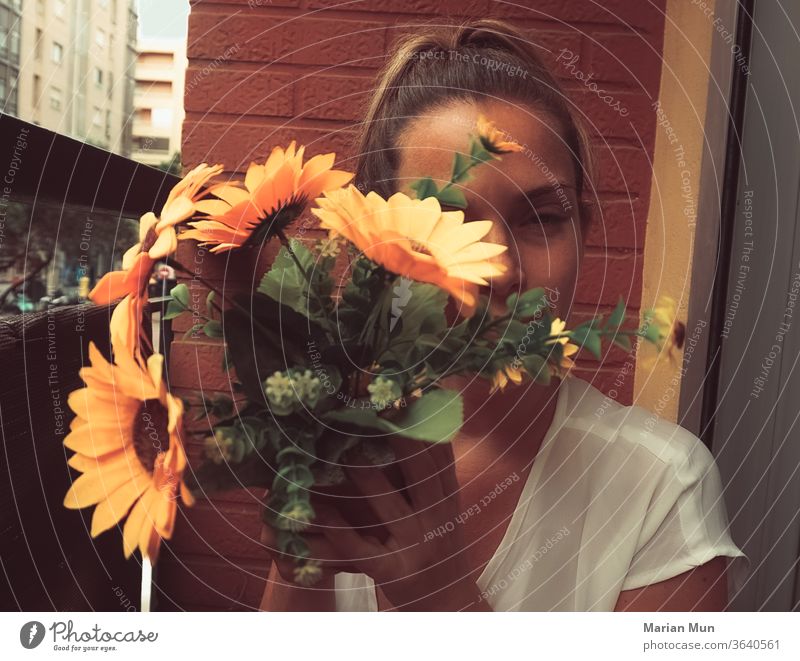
415	239
127	441
274	194
493	140
157	238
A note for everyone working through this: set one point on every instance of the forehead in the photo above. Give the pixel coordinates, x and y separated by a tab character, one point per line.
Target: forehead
428	143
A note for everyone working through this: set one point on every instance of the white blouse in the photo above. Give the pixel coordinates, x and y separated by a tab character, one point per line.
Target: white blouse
616	499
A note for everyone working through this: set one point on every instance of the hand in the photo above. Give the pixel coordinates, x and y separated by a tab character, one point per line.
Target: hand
415	568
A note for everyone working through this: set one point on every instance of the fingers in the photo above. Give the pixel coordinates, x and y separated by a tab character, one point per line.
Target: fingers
386	501
320	549
420	472
362	552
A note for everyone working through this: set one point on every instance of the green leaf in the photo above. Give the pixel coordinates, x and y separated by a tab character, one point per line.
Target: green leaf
209	302
287	284
181	294
194	329
461	166
531	303
623	341
452	197
479	152
585	337
435	417
424	188
537	367
174	309
617	316
212	328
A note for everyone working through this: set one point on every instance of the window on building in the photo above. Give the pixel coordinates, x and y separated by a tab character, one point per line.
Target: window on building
55	98
100	37
59	8
162	118
37	47
110	84
37	89
108	124
98	76
58	52
14	34
143	143
103	4
97	116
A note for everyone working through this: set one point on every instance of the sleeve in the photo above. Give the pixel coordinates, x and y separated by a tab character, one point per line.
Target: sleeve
686	522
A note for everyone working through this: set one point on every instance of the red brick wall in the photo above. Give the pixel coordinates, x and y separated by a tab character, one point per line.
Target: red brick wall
263	73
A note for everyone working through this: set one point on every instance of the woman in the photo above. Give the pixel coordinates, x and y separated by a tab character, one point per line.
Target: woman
550	498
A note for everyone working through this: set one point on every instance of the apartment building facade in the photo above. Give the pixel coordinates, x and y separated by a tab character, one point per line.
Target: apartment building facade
75	70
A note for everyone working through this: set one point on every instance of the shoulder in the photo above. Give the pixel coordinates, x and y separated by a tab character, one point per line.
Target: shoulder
634	430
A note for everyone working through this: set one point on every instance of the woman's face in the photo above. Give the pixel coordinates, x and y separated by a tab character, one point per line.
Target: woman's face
530	195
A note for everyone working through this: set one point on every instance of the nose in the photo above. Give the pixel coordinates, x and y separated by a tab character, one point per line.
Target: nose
513	279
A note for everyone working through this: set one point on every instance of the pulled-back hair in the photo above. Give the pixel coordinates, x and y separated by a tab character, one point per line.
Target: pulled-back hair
475	61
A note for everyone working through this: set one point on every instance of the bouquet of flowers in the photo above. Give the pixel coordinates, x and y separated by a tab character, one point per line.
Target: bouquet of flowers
319	369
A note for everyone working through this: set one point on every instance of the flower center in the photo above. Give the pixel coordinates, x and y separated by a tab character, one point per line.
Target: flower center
150	433
149	240
420	247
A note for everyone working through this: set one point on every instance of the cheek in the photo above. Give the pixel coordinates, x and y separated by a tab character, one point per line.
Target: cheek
554	265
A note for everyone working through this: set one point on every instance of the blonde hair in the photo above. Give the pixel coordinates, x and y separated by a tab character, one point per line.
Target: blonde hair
473	61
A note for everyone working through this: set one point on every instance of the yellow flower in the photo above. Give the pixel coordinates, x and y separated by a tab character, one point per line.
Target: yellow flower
494	140
127	441
415	239
557	327
669	333
157	239
503	376
274	194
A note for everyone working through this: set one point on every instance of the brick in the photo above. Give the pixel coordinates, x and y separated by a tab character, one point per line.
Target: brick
261	38
334	97
236	145
615	113
603	279
219	528
609	58
618	224
416	7
209	583
648	16
623	169
239	92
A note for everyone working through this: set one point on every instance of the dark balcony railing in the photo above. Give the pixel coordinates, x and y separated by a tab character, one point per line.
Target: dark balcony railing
48	560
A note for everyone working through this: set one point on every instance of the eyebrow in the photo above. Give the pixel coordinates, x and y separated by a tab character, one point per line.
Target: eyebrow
546	190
